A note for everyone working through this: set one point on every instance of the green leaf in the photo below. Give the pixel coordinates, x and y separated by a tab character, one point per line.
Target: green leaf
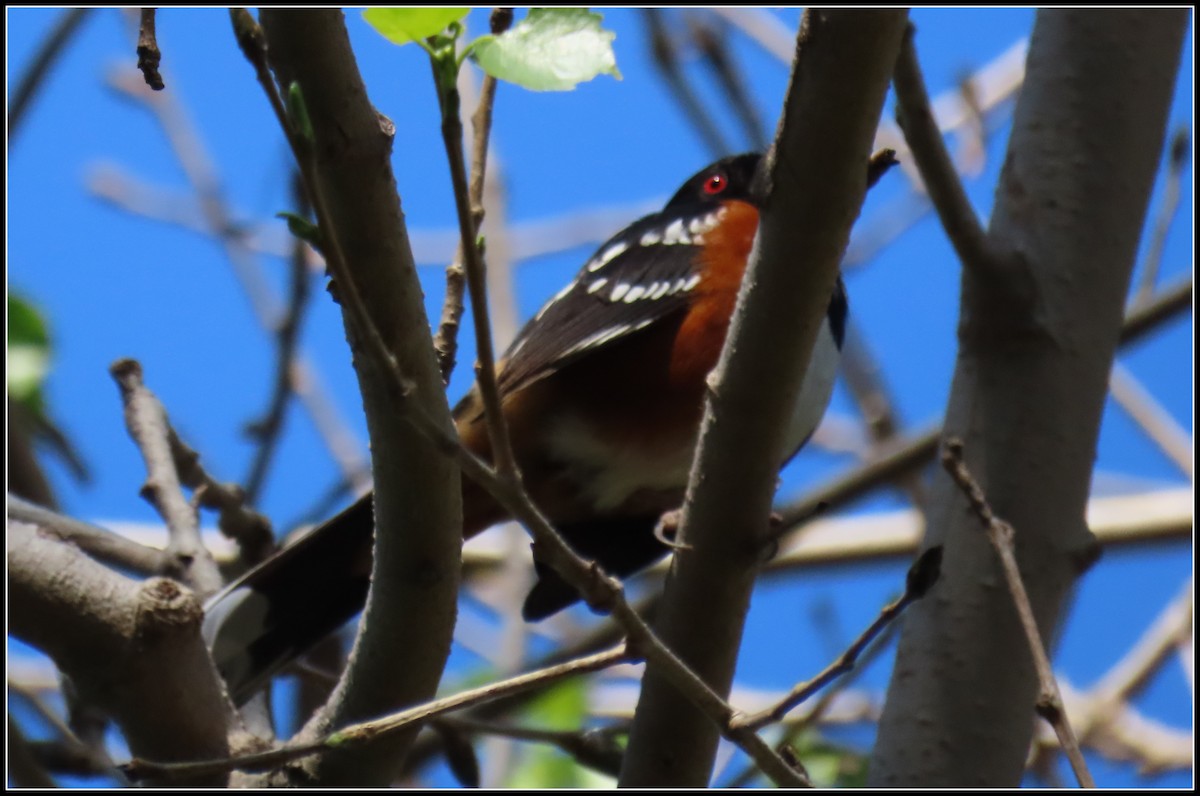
552	49
562	707
298	113
303	229
830	765
402	25
28	351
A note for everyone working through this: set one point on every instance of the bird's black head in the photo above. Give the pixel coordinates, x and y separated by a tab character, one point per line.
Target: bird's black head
728	178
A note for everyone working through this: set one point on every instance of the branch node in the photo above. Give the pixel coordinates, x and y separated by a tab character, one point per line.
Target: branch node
148	53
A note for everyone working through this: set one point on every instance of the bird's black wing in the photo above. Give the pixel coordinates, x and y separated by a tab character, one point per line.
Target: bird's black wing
642	275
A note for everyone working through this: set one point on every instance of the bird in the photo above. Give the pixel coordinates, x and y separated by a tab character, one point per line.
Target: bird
603	392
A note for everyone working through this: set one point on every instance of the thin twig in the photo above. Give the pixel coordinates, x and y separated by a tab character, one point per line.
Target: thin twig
764	28
713	45
148	53
797	725
1176	161
1162	429
219	221
147	422
367	731
1131	674
100	543
269	429
916	452
937	169
1146	316
95	760
666	59
236	519
485	369
895	460
1049	703
921	577
595	748
864	377
445	343
48	53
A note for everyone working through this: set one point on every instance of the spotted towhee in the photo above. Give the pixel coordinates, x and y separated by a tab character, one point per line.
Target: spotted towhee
603	393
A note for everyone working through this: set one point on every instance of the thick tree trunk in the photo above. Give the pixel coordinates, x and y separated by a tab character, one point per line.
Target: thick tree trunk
409	620
1038	329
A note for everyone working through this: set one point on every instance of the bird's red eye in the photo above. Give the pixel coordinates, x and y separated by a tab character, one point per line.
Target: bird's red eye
715	184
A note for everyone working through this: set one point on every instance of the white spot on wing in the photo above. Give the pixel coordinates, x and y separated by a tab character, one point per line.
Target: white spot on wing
605	257
692	281
675	233
651	238
658	290
597	285
635	293
620	290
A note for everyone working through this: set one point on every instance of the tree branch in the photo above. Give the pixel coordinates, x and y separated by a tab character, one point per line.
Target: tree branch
937	169
822	141
147	422
357	735
48	53
1002	538
126	644
446	340
148	53
417	500
100	543
1029	388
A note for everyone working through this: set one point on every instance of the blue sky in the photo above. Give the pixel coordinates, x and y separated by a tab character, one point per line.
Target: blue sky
112	284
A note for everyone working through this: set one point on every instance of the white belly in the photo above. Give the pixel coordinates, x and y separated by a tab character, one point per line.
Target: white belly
814	393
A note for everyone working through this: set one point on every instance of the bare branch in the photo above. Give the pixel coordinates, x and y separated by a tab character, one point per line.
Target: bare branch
666	59
100	543
148	53
40	66
219	222
822	141
446	340
24	769
147	422
1147	315
937	169
368	731
921	577
125	644
269	429
713	44
344	158
1029	387
1001	535
904	457
1177	157
1157	423
596	748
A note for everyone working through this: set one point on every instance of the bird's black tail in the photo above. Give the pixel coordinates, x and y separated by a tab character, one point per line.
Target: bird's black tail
621	545
283	607
280	609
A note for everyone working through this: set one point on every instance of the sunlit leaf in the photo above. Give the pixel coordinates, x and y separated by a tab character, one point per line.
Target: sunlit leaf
402	25
552	49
